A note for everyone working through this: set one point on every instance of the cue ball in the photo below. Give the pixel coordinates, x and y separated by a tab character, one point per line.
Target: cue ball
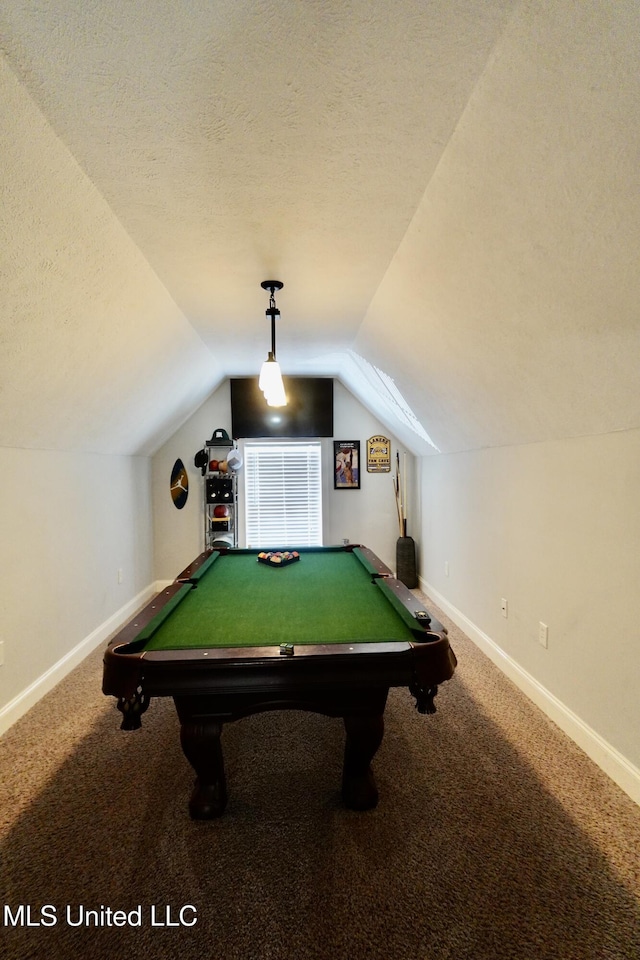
221	510
223	466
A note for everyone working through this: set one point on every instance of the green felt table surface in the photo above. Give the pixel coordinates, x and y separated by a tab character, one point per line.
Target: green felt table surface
326	597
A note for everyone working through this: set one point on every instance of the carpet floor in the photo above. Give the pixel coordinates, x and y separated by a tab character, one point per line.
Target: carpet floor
495	837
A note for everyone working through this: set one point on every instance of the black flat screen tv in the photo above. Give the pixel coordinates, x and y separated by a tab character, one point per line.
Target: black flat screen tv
308	413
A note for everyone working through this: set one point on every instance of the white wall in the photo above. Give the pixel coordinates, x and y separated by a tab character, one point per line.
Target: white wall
179	534
68	524
555	529
367	515
364	516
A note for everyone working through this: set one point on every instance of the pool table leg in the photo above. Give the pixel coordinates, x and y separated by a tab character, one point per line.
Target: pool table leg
364	736
201	745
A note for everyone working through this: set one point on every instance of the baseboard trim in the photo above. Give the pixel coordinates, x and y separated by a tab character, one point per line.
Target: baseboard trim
610	760
16	708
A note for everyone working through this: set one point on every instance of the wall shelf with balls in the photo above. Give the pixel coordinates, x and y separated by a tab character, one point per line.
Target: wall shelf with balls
221	465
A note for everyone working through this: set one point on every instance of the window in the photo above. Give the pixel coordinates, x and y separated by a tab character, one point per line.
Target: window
390	396
283	494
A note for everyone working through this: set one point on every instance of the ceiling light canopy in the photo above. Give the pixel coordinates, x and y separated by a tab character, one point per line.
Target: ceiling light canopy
270	381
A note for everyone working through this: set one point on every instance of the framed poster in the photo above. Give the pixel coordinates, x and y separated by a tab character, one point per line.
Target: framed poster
346	471
378	455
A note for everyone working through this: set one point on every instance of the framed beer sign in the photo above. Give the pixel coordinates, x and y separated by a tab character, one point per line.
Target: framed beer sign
378	455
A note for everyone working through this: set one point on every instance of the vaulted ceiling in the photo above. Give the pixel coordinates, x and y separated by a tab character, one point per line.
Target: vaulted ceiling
448	189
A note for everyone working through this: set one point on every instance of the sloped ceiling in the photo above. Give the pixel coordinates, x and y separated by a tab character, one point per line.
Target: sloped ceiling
448	189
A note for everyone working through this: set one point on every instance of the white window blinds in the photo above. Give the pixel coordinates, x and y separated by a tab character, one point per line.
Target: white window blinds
283	494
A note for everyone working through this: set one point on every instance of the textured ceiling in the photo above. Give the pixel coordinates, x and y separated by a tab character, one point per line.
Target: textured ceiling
447	188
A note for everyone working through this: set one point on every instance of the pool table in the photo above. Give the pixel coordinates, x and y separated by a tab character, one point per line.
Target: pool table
234	635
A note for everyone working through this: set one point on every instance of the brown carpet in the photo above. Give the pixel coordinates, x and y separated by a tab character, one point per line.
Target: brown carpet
495	837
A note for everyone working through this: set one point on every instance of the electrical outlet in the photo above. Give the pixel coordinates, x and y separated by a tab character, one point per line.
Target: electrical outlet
543	635
504	608
446	568
120	575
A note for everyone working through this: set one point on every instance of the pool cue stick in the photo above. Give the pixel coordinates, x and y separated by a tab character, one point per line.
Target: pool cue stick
396	489
399	480
404	495
395	497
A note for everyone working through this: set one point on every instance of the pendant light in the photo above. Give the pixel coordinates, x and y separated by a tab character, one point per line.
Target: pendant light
270	381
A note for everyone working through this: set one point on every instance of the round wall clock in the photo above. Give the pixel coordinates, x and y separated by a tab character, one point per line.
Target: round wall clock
179	485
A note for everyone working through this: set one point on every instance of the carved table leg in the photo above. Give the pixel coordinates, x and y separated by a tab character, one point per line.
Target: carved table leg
364	736
201	745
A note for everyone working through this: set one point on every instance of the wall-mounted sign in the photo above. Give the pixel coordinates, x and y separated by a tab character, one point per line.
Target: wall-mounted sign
179	485
378	455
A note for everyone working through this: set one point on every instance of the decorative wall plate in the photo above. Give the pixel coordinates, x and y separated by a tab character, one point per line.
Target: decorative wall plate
179	485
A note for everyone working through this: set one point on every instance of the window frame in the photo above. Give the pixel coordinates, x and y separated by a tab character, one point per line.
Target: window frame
313	450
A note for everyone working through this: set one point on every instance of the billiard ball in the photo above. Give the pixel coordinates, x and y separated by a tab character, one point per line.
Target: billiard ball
213	465
221	510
